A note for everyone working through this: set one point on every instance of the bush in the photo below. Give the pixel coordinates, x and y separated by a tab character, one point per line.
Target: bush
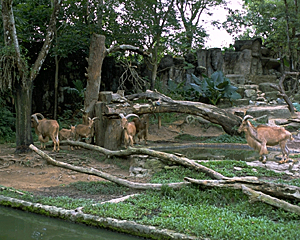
7	122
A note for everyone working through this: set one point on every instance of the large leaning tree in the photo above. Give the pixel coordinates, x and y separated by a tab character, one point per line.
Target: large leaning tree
17	75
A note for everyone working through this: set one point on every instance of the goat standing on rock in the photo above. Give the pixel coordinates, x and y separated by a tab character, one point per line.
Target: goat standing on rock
262	136
45	128
129	129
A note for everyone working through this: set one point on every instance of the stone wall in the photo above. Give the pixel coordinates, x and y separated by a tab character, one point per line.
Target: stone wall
249	66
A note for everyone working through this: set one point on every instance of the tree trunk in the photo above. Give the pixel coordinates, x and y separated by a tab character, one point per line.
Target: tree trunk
23	102
56	88
97	54
23	86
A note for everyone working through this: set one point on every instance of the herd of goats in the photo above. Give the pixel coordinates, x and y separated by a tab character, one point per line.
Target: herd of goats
49	128
258	137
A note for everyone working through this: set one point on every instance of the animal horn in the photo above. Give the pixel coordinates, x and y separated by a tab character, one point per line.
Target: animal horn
121	115
35	115
247	117
132	115
35	118
95	118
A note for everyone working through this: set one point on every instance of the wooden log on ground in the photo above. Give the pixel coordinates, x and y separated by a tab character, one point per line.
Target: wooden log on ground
161	155
259	196
95	172
277	190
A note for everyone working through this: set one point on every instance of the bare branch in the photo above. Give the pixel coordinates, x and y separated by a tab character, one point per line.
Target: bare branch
124	47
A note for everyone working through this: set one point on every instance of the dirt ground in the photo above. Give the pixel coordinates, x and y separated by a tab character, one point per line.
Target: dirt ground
30	172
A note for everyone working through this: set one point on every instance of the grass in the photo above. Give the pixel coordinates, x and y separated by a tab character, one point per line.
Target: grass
204	212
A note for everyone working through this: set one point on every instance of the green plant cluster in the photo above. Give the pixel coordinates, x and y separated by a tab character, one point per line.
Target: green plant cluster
215	87
226	138
7	122
212	88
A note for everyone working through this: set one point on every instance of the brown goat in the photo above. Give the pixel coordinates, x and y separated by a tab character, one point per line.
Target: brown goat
141	125
85	131
129	129
45	128
67	134
262	136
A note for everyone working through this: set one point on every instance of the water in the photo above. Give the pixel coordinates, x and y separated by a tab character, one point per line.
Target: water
19	225
206	153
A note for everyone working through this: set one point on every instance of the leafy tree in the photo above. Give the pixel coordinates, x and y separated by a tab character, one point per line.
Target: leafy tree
190	12
77	20
17	73
148	24
275	21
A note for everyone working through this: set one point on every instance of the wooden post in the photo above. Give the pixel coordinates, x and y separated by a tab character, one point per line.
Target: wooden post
108	130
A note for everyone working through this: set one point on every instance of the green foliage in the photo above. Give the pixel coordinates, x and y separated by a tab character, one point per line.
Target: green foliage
103	187
176	175
181	91
215	87
7	121
226	138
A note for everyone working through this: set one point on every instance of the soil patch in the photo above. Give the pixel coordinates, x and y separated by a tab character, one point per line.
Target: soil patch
30	172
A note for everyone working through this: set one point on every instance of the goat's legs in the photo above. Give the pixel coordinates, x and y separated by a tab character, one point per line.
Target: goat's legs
285	152
263	158
131	141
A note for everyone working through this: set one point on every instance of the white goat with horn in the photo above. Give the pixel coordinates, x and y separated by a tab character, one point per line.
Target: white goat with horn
45	128
262	136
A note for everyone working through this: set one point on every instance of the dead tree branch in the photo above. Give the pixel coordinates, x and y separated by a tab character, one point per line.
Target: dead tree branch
277	190
95	172
161	155
259	196
282	93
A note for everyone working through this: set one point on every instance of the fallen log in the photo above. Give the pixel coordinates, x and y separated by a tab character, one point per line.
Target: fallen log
161	155
160	103
259	196
277	190
95	172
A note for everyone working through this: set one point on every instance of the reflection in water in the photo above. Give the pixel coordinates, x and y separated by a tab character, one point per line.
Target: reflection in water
20	225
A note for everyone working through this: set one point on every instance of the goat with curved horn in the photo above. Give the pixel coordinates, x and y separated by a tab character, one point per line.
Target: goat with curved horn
128	128
45	129
262	136
131	115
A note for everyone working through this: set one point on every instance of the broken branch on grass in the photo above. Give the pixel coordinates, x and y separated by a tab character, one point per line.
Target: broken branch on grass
161	155
277	190
95	172
259	196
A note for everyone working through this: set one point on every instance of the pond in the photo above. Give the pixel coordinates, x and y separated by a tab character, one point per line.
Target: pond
17	224
213	153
